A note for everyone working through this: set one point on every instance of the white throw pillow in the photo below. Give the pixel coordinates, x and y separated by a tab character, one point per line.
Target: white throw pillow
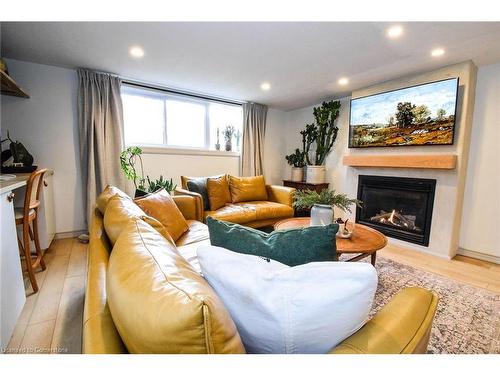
309	308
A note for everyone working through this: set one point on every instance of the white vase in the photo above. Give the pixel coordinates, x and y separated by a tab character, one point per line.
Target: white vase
297	174
315	174
321	214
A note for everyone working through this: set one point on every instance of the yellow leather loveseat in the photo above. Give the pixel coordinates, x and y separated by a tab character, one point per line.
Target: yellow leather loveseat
144	294
273	203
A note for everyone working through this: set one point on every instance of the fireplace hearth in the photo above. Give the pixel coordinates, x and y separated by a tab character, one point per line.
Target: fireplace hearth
397	206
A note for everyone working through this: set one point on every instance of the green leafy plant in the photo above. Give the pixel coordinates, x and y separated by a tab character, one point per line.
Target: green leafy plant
128	160
305	199
154	185
296	159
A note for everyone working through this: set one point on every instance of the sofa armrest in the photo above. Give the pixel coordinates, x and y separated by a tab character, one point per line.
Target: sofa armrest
403	326
192	199
280	194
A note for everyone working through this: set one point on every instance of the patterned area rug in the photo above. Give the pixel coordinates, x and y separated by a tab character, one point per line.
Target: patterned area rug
467	319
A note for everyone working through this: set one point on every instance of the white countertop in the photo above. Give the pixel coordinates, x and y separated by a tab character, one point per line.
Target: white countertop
19	181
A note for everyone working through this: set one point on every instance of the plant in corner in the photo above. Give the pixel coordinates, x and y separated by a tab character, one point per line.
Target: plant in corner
128	160
228	136
296	160
322	204
323	134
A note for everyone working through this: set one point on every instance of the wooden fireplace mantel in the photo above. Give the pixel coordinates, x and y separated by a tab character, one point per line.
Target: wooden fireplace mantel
423	161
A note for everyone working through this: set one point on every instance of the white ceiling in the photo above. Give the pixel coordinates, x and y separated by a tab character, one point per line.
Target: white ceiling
302	61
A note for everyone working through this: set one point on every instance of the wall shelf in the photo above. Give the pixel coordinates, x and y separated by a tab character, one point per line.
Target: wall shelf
9	87
423	161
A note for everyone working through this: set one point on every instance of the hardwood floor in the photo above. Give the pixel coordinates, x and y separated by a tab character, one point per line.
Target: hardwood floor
51	321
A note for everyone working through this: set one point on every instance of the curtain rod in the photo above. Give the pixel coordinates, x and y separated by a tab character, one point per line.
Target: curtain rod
177	92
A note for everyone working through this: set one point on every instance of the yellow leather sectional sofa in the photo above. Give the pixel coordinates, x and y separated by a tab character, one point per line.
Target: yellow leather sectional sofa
253	213
144	293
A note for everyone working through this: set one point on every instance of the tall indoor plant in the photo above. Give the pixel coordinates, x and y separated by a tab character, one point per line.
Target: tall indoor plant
318	139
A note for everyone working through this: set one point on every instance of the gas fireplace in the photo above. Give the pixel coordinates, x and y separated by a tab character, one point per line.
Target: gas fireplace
398	207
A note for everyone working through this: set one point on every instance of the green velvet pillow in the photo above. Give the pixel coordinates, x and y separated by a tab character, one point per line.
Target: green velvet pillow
290	246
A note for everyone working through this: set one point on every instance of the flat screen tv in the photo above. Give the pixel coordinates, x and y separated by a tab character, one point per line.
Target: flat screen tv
412	116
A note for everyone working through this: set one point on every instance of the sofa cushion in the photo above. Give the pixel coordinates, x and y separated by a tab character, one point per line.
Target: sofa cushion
199	185
159	303
234	213
162	207
105	196
197	232
218	192
244	189
291	247
279	309
119	211
269	210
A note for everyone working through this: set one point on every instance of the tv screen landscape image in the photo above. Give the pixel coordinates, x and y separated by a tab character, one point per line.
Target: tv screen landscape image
417	115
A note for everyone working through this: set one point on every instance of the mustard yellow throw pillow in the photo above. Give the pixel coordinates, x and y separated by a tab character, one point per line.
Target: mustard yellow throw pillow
218	192
162	207
245	189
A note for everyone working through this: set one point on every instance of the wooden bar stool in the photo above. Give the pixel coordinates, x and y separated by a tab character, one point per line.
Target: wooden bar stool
27	215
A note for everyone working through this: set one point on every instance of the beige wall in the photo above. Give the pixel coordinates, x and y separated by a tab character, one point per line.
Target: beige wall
450	184
480	232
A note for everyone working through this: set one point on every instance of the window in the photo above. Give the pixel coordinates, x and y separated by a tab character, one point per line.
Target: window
154	118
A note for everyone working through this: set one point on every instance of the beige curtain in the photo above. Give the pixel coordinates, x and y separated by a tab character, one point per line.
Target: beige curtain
100	118
254	131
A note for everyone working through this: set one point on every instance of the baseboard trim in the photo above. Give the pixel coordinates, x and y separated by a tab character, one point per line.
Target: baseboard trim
71	234
477	255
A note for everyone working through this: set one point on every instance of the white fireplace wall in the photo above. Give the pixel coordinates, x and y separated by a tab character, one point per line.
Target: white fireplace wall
450	183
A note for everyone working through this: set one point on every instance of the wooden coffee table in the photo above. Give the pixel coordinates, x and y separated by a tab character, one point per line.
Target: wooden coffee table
364	241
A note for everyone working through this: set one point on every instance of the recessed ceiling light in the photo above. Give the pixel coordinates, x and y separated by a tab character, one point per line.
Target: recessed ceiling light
437	52
136	51
265	86
343	81
394	32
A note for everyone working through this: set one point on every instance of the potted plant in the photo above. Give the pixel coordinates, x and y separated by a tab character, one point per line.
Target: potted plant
296	160
322	204
322	134
128	160
228	137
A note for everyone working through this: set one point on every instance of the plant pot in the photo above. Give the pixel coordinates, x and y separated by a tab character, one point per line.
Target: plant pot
229	146
321	214
297	174
315	174
140	193
217	146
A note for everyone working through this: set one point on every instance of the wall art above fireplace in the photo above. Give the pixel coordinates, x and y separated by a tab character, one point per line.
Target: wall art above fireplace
399	207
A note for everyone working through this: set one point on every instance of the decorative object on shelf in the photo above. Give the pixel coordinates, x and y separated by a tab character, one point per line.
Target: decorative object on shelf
417	115
143	186
217	145
296	160
321	202
237	136
228	137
